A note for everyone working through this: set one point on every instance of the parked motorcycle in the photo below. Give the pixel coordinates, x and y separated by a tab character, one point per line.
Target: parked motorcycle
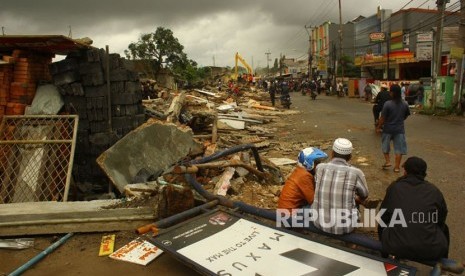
313	94
285	101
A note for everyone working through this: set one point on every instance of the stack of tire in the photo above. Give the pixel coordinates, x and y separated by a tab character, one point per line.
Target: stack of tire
82	80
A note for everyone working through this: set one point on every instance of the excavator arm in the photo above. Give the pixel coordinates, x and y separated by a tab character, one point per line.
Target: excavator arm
247	66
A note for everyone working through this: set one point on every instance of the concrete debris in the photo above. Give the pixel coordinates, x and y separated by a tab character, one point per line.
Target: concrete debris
154	146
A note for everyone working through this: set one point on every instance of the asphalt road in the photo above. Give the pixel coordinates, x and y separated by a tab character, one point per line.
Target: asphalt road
438	140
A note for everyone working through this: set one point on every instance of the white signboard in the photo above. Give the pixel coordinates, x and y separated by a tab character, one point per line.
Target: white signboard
424	51
241	247
425	37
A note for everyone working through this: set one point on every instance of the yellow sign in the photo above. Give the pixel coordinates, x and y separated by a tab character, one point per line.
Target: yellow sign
456	52
107	245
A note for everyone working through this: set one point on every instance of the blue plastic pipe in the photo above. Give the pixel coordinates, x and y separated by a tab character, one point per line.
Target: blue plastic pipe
40	256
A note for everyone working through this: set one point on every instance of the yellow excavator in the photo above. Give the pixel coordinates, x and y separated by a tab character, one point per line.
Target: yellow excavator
247	66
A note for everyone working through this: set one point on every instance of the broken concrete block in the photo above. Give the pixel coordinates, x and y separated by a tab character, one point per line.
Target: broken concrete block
153	146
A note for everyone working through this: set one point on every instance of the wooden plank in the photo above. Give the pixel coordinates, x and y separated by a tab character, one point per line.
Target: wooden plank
236	118
207	93
233	123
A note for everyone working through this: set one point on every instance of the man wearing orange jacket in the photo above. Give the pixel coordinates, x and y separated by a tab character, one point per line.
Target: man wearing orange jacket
299	189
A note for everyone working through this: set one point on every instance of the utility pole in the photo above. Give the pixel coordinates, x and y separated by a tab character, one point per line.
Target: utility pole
3	30
459	66
310	58
334	66
438	41
388	49
341	54
268	61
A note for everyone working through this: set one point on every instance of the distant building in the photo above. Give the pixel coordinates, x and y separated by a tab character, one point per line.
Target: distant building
325	45
399	46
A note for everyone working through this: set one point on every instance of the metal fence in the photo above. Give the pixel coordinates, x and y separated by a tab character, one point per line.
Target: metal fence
36	157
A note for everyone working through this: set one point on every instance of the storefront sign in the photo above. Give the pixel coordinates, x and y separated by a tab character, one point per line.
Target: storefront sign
424	51
425	37
456	52
377	37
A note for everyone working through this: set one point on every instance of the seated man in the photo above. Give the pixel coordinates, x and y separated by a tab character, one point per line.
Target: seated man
414	216
299	189
338	188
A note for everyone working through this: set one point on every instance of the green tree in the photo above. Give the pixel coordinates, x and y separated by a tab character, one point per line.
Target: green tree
350	70
190	72
159	49
275	65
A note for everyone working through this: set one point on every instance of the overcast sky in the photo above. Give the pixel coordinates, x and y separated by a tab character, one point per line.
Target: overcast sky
211	31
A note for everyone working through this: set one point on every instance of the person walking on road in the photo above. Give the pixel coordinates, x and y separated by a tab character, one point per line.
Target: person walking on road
368	92
382	97
391	125
272	92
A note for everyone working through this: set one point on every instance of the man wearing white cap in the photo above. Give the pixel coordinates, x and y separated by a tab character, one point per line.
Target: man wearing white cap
338	186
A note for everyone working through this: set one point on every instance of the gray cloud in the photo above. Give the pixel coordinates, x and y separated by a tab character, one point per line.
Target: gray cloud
208	29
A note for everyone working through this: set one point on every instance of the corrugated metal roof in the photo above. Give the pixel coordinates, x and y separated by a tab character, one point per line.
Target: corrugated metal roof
47	44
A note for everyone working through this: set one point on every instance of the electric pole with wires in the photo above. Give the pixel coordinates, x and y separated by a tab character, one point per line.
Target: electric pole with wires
310	56
438	50
341	54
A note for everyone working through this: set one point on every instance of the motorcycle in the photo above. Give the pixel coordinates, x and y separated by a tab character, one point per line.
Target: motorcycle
285	101
313	94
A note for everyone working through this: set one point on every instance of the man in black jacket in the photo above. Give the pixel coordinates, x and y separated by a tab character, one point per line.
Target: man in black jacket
414	216
382	97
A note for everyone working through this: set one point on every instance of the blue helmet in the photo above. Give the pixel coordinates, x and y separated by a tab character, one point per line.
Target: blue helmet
308	156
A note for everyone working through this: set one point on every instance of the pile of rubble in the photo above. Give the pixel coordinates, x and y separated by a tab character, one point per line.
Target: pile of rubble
190	125
140	139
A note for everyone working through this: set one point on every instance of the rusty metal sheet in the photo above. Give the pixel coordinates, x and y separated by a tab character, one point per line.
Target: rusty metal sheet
49	44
